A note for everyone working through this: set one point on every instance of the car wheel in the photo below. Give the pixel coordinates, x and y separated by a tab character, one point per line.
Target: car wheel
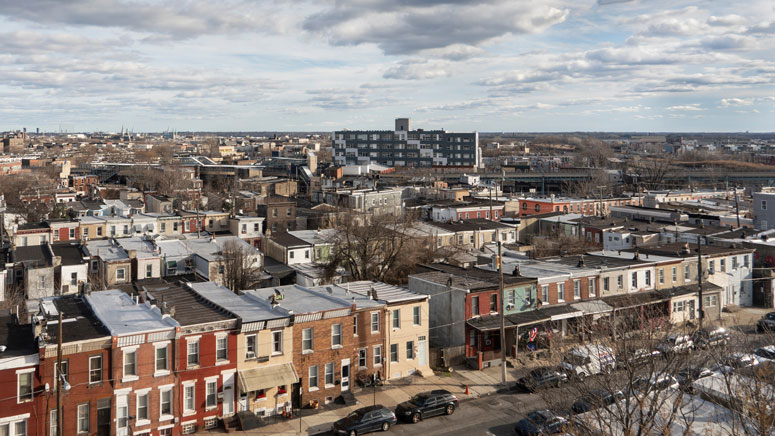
353	433
450	409
416	418
385	426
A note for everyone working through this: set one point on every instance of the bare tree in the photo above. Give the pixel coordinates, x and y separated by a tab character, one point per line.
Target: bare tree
241	265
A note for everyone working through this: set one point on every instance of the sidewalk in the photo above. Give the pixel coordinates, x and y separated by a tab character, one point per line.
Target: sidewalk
480	383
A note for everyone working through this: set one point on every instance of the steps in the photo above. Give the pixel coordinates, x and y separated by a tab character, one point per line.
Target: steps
347	398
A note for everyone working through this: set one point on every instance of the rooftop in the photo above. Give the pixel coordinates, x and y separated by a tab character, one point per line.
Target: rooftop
78	321
70	253
189	307
241	305
384	292
298	299
121	315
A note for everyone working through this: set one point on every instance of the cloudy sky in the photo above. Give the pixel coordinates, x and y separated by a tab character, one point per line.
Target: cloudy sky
487	65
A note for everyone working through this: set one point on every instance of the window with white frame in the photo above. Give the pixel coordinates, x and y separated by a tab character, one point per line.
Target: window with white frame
545	294
95	369
592	290
162	358
577	289
221	348
561	291
277	342
675	274
189	399
394	353
313	377
211	394
336	335
661	276
679	306
648	278
165	402
711	267
409	350
710	301
416	318
620	281
362	358
307	340
192	351
734	262
120	273
396	318
375	322
634	280
250	346
329	374
377	355
142	407
723	265
130	363
355	325
149	270
687	273
53	423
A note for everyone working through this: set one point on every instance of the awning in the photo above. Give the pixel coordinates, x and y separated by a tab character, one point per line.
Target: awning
592	307
267	377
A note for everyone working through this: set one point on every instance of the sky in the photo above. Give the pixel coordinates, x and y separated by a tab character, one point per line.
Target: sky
324	65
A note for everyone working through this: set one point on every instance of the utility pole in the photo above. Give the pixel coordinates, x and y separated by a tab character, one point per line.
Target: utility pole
59	377
601	200
699	279
503	315
737	209
491	216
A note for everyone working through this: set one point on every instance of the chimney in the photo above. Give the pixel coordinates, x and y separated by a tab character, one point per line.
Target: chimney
685	249
516	272
581	261
636	256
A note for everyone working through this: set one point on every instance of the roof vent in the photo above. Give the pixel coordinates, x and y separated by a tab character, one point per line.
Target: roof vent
685	249
581	261
516	271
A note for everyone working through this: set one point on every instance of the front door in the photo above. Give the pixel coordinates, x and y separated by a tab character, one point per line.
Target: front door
228	394
422	352
103	417
122	415
242	406
345	375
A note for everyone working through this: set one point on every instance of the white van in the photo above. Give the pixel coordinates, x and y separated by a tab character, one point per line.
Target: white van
589	359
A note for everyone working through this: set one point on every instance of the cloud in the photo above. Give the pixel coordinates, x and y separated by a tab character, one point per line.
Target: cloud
687	107
411	26
174	19
417	69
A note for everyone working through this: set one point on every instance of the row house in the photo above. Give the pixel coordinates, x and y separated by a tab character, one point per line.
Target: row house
20	378
469	209
28	234
264	354
83	185
73	270
215	221
248	228
288	249
473	233
583	206
64	230
204	355
110	264
193	222
145	259
143	353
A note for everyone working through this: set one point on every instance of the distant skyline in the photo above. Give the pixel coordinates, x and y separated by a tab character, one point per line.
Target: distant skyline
489	65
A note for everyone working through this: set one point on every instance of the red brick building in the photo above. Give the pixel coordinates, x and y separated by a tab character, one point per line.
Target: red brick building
20	380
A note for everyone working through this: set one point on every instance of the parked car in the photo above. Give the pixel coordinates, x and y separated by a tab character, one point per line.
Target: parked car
687	376
767	353
596	399
586	360
427	404
365	420
640	357
737	360
656	382
542	422
710	337
544	377
675	344
766	323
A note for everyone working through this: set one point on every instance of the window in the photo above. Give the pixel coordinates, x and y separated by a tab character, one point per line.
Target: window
648	278
661	276
329	374
620	281
188	399
142	407
53	422
679	306
396	318
375	322
86	232
355	325
409	350
175	227
745	261
99	230
734	262
336	335
163	227
222	348
306	254
687	272
211	394
161	359
576	289
512	298
72	233
193	352
592	290
24	381
149	270
313	377
416	318
130	363
288	212
306	340
377	355
95	369
606	283
277	342
394	353
362	358
764	204
710	301
561	291
711	267
250	346
120	273
545	293
723	265
65	367
634	280
165	402
475	305
675	274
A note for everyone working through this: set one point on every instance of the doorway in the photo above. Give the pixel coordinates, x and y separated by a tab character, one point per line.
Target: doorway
228	394
103	417
422	352
345	384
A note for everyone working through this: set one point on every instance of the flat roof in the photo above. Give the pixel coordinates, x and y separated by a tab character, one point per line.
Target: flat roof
385	292
121	315
190	307
241	305
299	299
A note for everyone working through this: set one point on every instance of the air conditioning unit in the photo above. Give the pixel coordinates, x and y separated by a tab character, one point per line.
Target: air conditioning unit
488	342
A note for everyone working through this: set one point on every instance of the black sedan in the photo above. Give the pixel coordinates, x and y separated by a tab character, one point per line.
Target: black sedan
766	323
365	420
541	422
544	377
596	399
427	404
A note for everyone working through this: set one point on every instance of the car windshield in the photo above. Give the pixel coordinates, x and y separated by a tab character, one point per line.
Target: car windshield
419	400
770	317
537	417
574	359
356	415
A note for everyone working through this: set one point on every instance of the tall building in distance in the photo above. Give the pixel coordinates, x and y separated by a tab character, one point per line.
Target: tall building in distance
404	147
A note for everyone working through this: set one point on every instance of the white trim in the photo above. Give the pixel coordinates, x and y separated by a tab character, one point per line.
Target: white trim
212	378
162	387
188	382
14	418
142	391
129	348
193	338
228	371
124	391
160	344
193	421
164	427
25	370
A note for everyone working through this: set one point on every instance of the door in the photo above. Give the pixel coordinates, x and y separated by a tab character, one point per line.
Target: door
242	406
432	407
122	415
345	375
228	394
422	351
103	417
691	309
